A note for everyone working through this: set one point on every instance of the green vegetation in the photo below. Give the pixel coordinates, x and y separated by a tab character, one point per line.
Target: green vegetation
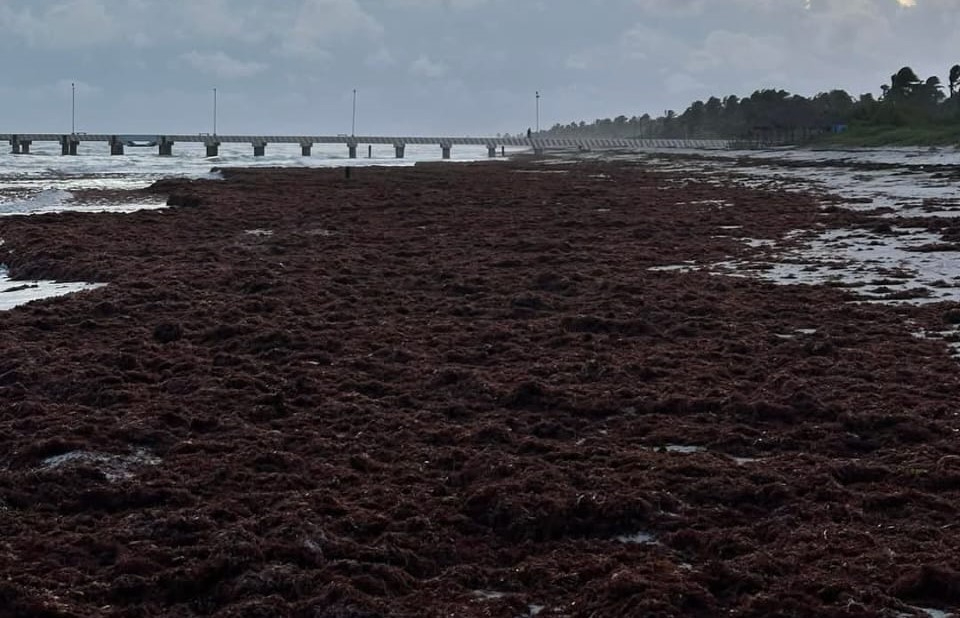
909	111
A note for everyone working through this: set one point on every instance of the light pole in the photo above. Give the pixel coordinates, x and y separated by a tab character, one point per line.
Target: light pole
73	108
353	123
214	112
538	112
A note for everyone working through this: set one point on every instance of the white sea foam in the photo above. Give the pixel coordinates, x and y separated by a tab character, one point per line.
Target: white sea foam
15	293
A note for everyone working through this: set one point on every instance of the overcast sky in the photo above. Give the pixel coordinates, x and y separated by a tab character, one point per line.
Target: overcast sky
456	67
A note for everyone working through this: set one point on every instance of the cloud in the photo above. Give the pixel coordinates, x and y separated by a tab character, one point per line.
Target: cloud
221	65
425	67
737	50
64	25
322	22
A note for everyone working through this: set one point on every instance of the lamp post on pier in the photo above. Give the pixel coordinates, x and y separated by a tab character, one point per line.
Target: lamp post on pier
538	112
353	122
214	112
73	108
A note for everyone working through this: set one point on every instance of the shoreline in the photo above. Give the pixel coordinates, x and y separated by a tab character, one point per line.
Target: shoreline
465	389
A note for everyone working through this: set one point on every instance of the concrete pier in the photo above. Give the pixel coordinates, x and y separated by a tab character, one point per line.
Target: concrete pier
69	142
69	145
19	146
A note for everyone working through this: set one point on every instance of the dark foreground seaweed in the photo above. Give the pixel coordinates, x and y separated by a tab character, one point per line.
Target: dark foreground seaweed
460	391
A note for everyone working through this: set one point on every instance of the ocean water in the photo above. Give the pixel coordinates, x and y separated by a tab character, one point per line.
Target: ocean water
45	182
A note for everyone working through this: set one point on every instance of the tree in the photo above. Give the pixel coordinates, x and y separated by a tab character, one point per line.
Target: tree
903	84
954	79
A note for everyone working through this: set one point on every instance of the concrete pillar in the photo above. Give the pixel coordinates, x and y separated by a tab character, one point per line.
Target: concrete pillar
259	149
166	147
68	145
491	151
352	150
399	150
116	148
503	151
445	149
370	151
306	149
213	149
25	147
14	145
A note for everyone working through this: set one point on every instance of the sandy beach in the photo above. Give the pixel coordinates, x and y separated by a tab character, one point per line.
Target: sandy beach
468	390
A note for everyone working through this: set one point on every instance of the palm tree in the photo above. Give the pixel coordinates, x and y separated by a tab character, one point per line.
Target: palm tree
954	79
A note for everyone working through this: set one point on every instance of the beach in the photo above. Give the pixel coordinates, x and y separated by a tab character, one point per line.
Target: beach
519	388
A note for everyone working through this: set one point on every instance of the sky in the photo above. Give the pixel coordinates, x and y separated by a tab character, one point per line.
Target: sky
438	67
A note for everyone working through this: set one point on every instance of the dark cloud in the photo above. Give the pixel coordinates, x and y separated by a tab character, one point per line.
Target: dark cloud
431	66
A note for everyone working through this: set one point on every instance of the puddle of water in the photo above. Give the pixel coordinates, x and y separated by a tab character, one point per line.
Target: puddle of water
638	538
685	267
114	467
15	293
928	611
758	243
858	259
488	595
684	448
47	201
259	232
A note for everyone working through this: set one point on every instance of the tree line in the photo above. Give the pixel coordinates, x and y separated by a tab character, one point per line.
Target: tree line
777	116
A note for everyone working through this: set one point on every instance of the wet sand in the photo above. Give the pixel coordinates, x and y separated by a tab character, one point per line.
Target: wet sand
469	391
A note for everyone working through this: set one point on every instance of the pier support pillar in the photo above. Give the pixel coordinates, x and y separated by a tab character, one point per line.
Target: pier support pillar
213	149
399	150
259	149
491	151
352	151
68	145
503	151
166	147
25	147
306	149
116	148
445	149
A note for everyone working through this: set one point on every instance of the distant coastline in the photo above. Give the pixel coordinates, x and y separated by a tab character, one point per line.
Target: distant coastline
910	111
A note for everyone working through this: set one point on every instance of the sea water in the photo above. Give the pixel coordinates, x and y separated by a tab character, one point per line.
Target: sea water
45	182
